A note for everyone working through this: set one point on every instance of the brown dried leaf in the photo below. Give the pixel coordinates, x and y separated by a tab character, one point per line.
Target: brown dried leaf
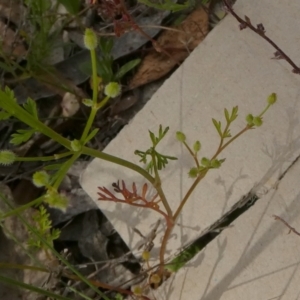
177	43
10	43
13	11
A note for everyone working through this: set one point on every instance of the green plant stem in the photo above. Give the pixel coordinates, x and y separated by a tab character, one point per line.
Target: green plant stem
22	208
220	149
192	154
44	158
17	111
89	123
189	192
263	112
118	161
22	267
222	137
32	288
95	96
157	186
176	214
94	75
65	167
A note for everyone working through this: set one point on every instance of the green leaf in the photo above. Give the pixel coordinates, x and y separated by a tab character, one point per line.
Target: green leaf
4	115
152	137
91	134
106	45
72	6
161	133
126	68
218	126
180	136
30	107
10	93
227	134
226	113
197	146
22	135
104	70
234	113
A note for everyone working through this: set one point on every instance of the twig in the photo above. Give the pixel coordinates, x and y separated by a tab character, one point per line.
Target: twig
286	224
260	30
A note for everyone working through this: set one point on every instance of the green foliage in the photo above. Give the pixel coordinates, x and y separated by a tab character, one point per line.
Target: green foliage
41	179
91	135
119	297
44	228
105	63
126	68
30	107
42	34
156	160
7	157
180	136
229	119
22	136
76	145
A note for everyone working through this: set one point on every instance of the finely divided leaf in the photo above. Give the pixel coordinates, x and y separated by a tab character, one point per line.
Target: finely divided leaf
22	135
30	107
218	126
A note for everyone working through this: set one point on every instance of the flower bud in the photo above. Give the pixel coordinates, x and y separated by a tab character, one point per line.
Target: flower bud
40	178
7	157
193	172
146	255
155	278
257	121
249	119
137	290
76	145
56	200
113	89
180	136
197	146
90	39
215	163
272	98
205	162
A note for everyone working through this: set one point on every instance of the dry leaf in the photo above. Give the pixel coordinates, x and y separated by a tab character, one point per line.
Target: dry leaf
10	43
177	43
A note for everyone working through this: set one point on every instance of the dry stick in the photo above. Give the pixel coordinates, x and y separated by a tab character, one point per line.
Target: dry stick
279	54
286	224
